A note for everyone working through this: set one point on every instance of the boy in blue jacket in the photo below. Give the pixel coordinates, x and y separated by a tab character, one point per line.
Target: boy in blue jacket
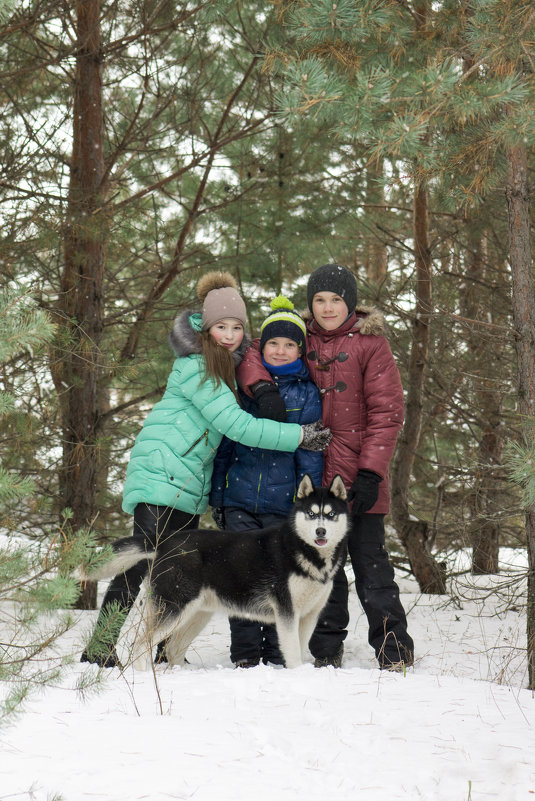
254	487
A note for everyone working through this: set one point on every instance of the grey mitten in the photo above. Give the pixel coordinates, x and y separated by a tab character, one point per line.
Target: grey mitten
315	437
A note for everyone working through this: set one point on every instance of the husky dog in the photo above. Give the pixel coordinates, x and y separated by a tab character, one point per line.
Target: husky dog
281	575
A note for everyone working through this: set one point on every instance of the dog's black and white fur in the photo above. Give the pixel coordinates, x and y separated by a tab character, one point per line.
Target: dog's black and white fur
281	575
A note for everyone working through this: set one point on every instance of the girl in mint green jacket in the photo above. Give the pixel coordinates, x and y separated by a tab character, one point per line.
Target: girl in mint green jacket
170	468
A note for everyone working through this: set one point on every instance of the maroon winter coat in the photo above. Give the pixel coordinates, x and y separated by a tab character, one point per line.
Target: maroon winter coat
362	396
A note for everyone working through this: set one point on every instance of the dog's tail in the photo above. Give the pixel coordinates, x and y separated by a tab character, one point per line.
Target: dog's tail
126	554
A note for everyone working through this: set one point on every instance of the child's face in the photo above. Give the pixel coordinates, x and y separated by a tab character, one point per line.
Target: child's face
228	333
329	310
280	350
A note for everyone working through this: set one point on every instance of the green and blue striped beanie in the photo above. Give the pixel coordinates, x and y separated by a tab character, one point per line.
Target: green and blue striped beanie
283	322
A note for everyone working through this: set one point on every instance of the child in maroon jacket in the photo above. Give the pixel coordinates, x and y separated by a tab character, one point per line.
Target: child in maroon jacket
350	360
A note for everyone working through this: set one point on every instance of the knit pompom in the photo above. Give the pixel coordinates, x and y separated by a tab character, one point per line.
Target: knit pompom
214	280
280	302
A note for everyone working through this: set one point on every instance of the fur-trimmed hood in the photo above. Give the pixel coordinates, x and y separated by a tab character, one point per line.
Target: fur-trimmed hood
185	337
370	320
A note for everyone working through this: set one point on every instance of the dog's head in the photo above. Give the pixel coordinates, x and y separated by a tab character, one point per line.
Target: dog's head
321	513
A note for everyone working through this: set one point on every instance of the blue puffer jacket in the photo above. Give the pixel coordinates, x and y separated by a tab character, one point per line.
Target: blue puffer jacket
264	481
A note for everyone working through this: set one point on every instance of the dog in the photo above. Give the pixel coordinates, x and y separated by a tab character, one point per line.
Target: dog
281	575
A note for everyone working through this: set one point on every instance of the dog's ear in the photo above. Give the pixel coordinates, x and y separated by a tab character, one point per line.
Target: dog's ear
337	488
306	487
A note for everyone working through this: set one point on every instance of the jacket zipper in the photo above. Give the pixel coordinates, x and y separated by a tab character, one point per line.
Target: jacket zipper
205	435
258	487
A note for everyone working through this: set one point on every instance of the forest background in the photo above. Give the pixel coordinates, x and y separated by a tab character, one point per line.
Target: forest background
146	142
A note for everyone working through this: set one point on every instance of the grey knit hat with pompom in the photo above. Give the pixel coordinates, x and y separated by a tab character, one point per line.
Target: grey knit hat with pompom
218	293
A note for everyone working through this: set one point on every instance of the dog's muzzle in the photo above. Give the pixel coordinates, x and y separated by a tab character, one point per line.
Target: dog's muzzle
321	539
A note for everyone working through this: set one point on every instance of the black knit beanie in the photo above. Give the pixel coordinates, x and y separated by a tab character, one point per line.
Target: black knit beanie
333	278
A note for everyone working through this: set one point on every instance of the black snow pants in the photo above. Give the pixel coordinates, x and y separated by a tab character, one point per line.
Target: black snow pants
377	592
152	524
250	640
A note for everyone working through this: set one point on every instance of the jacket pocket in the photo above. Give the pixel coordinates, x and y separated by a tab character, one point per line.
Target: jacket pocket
156	462
204	436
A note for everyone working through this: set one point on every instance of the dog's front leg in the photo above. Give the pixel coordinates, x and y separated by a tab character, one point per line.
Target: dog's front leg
306	629
309	621
288	636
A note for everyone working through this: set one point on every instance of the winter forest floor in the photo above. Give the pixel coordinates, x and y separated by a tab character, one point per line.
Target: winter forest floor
459	726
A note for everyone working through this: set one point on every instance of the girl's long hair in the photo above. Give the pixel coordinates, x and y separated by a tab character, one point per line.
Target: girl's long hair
218	363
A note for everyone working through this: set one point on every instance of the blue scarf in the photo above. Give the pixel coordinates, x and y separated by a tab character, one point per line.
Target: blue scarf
284	369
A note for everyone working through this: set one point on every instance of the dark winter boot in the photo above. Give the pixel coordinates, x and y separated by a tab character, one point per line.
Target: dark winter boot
161	656
398	663
330	661
247	663
109	659
274	661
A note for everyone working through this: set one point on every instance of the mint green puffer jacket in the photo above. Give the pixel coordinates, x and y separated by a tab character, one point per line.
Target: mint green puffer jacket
172	458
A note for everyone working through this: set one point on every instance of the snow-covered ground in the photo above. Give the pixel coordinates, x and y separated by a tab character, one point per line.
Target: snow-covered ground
459	726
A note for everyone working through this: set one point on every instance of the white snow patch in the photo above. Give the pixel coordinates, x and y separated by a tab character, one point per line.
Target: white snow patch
459	725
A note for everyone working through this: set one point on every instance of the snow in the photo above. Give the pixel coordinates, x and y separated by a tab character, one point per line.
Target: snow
459	726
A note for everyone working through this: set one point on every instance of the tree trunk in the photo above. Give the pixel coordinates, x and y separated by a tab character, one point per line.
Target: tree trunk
485	528
530	532
523	301
414	534
80	305
375	257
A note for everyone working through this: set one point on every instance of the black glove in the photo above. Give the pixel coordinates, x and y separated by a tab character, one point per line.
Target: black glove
364	491
270	403
315	437
218	515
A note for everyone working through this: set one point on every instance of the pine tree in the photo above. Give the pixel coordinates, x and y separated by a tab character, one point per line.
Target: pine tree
35	576
107	201
359	68
448	89
184	112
